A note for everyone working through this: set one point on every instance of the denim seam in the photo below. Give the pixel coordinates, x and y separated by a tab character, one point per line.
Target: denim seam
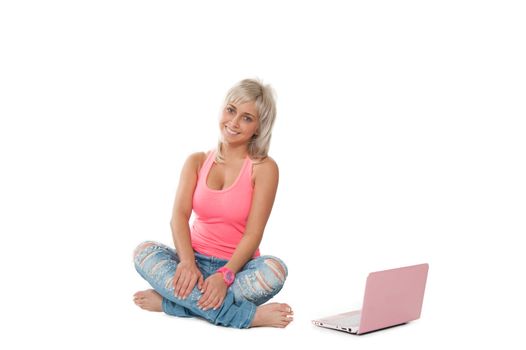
162	305
251	316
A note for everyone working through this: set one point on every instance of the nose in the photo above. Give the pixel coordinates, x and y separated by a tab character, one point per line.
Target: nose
235	120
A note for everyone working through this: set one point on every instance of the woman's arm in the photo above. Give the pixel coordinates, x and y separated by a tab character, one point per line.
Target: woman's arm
266	177
187	273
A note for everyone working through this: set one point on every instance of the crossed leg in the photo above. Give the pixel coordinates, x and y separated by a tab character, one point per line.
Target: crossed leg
261	279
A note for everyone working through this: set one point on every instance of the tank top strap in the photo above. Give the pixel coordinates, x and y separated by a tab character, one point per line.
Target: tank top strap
246	171
209	161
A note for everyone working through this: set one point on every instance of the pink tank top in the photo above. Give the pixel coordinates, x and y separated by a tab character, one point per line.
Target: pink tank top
221	215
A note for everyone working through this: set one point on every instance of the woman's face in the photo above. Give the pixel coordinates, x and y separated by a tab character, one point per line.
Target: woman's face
239	122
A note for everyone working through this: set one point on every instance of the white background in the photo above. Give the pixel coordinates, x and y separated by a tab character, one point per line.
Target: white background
400	139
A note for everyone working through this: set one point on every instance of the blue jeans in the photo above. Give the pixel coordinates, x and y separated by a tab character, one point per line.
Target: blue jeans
258	281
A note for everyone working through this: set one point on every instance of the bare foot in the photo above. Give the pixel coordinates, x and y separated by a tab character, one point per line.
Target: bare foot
149	300
272	315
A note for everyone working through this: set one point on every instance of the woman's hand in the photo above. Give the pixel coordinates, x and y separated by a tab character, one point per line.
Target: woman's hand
214	292
186	276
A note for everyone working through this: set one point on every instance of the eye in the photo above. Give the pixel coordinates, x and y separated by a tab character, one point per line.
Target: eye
247	118
230	109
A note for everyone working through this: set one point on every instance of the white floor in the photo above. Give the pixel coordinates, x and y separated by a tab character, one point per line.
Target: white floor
85	311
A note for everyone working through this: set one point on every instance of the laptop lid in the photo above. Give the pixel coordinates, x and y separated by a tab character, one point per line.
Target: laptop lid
393	297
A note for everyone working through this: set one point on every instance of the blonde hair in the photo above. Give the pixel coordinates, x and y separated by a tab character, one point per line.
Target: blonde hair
252	90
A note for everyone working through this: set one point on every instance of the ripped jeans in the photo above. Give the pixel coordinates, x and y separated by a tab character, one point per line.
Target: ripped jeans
257	282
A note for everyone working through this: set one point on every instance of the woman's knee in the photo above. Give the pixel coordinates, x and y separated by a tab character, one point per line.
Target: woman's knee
139	250
273	274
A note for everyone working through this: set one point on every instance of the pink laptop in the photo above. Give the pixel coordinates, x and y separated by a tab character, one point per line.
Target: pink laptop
392	297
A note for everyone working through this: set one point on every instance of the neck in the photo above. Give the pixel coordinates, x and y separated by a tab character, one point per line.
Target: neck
231	152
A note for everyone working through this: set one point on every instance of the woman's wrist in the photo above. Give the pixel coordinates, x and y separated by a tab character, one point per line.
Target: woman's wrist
228	275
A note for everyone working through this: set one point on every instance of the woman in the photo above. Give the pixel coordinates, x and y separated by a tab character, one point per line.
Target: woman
216	271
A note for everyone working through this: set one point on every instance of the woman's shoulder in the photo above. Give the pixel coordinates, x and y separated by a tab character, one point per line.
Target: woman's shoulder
267	162
266	167
197	159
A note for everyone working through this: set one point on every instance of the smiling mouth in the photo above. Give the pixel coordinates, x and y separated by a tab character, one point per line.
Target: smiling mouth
231	132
